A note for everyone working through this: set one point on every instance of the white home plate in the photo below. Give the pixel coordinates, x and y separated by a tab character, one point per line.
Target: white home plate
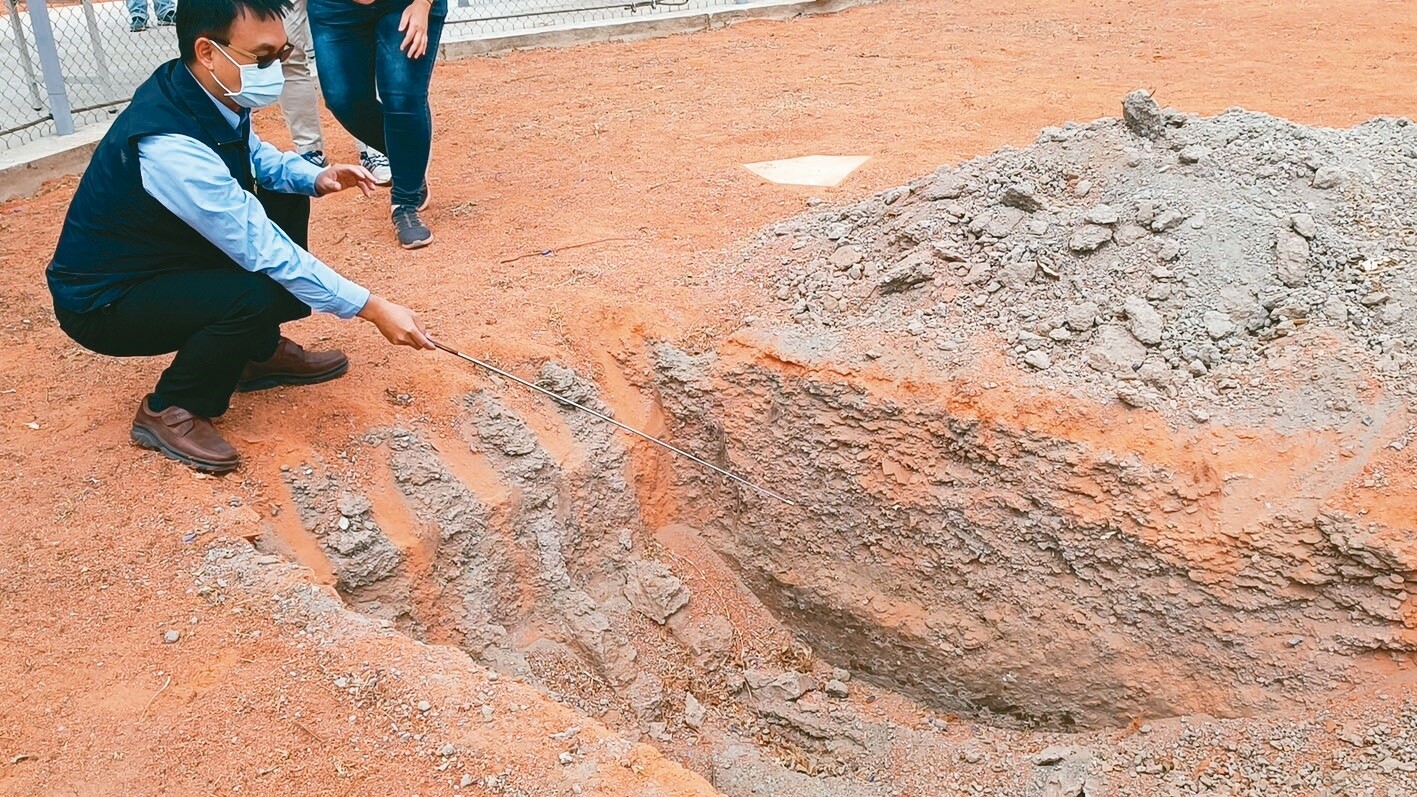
819	170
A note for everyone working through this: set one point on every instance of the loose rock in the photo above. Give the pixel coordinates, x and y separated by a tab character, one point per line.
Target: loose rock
906	276
1144	322
1142	115
1101	214
1292	258
655	591
1089	238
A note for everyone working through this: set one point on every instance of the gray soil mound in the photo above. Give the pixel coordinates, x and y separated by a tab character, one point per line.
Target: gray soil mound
1162	259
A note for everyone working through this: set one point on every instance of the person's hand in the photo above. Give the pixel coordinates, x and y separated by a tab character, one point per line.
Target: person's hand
414	26
397	323
343	175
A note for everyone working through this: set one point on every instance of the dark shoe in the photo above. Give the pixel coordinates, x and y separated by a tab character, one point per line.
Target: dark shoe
187	438
412	232
167	21
292	365
316	157
137	25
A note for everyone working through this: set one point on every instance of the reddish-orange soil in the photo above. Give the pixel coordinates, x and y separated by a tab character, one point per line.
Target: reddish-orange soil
624	160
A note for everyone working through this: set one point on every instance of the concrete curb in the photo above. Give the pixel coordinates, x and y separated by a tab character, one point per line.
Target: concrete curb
632	30
23	170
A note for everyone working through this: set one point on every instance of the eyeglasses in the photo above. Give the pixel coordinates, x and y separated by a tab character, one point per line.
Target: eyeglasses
262	61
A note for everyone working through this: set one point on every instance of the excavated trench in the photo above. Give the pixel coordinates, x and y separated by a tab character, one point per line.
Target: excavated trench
1072	555
1007	559
1023	557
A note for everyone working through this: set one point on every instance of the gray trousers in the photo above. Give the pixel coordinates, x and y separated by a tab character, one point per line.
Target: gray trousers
300	99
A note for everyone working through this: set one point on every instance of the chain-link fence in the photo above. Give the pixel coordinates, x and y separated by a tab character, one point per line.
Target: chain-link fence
480	19
67	63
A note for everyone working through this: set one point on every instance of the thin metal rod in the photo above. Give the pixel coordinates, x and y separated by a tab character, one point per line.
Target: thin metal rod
494	369
96	44
27	63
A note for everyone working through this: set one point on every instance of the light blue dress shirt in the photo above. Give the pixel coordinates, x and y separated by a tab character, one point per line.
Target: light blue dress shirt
191	180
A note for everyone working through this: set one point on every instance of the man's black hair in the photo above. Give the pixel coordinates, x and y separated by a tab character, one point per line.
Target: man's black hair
212	19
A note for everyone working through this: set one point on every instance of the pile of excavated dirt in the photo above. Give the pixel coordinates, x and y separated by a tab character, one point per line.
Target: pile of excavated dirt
1076	415
1155	259
1111	428
1092	442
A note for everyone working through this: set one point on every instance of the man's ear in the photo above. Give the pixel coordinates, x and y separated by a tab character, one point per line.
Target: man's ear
205	52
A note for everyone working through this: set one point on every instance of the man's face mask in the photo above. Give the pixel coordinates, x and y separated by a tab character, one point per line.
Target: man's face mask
261	85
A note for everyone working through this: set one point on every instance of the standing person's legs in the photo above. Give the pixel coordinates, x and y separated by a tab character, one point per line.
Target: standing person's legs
343	35
299	100
166	11
403	92
356	42
137	14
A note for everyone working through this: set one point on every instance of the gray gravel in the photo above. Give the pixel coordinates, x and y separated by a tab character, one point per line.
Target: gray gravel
1161	261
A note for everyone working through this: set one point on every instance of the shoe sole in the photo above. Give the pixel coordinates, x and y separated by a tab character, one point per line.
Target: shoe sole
418	244
150	441
291	380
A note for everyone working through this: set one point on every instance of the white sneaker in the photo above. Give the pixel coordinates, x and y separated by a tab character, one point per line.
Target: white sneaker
378	165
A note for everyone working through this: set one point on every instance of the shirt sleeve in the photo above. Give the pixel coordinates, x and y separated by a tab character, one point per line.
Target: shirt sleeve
285	172
190	180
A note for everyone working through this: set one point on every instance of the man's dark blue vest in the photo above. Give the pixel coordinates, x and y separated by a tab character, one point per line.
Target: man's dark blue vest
115	233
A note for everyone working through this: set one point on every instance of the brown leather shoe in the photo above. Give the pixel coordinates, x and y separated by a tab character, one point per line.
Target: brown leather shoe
292	365
187	438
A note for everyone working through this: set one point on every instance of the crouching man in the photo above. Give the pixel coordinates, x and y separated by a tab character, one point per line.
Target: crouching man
188	234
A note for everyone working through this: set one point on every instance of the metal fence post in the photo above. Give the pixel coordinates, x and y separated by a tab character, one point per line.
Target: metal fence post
23	47
96	42
49	65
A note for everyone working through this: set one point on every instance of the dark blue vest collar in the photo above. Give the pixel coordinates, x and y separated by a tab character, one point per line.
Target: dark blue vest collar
196	101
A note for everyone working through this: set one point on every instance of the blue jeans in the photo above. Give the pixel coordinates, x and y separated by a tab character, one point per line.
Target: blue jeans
138	10
379	94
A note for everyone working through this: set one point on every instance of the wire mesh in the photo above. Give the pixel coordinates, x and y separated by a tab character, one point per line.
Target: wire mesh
24	105
477	19
104	57
106	48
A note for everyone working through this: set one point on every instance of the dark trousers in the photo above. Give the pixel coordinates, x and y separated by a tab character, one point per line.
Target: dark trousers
216	319
377	92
